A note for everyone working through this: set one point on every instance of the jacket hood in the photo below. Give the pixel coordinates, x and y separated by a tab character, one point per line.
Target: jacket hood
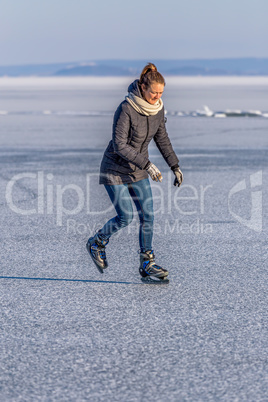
134	88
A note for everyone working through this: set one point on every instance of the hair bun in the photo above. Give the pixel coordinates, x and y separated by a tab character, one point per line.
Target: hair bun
151	67
150	74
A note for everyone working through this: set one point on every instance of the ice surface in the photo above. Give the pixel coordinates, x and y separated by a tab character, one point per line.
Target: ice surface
69	333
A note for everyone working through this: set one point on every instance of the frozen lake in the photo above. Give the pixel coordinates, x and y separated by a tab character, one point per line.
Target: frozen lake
69	333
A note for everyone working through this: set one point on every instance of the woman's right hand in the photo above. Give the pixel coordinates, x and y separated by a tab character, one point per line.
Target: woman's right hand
154	172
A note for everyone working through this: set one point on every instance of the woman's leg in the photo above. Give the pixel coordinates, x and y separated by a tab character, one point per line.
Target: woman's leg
142	196
121	200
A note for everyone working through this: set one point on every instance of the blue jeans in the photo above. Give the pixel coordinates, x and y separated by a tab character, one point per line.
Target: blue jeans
121	196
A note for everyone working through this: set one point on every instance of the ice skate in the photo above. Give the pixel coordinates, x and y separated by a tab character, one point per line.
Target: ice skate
149	271
96	248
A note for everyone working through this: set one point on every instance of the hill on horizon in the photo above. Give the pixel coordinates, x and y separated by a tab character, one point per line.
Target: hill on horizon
191	67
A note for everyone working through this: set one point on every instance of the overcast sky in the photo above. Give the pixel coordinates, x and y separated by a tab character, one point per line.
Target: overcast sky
51	31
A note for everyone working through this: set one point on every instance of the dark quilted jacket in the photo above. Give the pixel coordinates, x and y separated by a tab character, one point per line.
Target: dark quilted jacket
127	153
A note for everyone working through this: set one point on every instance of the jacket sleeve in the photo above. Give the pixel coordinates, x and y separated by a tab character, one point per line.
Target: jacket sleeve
163	143
121	130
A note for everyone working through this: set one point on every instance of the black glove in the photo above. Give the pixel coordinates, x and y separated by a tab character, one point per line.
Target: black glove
178	176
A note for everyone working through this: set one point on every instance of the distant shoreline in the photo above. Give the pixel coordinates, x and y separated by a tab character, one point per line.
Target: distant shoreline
240	67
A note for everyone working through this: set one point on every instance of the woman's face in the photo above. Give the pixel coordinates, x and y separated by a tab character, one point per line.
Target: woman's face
153	92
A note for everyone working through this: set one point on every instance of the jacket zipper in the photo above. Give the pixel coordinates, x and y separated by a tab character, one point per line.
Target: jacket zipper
146	134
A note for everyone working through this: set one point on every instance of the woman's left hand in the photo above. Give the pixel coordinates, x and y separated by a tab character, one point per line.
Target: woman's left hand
179	177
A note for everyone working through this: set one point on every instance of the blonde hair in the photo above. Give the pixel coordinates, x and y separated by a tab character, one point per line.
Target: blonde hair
150	75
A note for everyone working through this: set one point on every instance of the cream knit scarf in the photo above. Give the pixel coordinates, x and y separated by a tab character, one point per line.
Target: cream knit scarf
142	106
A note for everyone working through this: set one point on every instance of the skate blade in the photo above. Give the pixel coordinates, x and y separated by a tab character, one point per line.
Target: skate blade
100	269
155	281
